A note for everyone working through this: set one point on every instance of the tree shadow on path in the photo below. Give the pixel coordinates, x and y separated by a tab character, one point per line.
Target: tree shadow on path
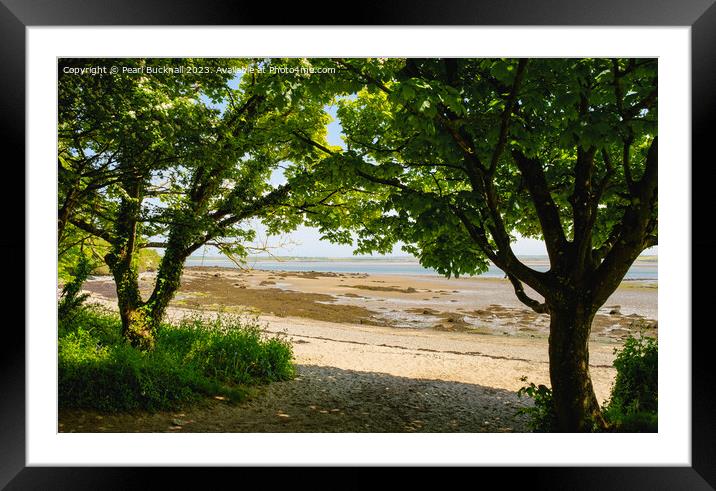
327	400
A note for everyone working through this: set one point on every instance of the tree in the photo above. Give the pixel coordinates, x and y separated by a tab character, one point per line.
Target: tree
148	158
454	156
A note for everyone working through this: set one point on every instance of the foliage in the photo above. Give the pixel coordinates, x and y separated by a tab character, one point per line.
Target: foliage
92	250
636	385
202	150
197	358
71	300
229	351
427	159
633	404
77	246
541	414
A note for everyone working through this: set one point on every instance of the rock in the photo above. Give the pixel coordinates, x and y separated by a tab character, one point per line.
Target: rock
615	312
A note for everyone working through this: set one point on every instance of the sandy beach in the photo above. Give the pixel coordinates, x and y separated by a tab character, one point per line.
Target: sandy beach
381	353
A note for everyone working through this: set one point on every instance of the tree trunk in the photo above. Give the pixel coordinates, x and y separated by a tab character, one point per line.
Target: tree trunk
137	327
575	403
140	320
168	280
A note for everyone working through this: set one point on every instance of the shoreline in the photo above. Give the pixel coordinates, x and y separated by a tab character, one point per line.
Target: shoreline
474	304
641	270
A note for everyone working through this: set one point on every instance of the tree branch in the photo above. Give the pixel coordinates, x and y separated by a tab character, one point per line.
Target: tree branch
503	258
547	211
584	205
251	209
633	234
626	163
540	308
72	244
157	245
92	229
647	185
313	143
506	114
477	234
365	77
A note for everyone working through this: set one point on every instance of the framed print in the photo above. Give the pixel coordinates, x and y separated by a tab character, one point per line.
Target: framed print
40	41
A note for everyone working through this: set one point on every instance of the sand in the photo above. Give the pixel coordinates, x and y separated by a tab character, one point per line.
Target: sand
381	353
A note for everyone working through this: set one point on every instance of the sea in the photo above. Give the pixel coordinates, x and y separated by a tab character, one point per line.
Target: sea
642	269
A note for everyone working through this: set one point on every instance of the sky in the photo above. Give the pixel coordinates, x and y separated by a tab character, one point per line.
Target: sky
306	241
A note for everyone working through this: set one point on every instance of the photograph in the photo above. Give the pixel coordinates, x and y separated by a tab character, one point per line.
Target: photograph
348	245
429	239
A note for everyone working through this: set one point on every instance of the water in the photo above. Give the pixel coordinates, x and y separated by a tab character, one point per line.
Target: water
646	270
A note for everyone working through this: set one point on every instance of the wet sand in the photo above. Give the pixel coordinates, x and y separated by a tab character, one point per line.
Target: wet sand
381	353
476	305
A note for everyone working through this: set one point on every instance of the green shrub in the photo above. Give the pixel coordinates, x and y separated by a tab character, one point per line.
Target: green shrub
118	378
636	385
542	417
198	358
229	350
633	403
103	324
71	300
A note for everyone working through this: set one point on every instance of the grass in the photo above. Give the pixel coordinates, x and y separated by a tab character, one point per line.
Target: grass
194	359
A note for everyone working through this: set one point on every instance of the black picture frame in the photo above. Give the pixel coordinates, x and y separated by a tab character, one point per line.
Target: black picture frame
700	15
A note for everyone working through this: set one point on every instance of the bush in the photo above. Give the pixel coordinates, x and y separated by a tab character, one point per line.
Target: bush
633	403
71	300
228	350
198	358
636	385
119	377
542	417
